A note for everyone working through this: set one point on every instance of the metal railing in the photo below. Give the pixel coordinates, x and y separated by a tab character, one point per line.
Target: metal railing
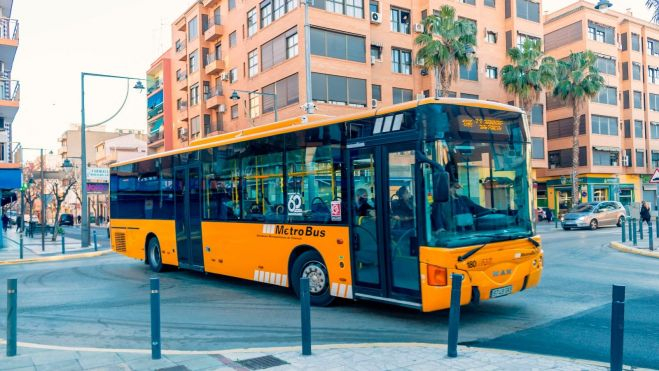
10	90
181	76
154	86
154	137
155	110
181	106
210	58
214	92
8	28
179	46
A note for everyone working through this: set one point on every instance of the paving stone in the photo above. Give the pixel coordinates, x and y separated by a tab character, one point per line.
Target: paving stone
66	365
90	360
201	363
20	361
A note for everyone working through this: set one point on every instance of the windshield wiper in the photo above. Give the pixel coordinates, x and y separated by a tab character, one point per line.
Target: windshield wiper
470	253
497	238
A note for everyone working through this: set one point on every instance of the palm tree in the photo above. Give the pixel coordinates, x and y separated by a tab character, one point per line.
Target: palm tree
529	74
446	44
653	5
578	80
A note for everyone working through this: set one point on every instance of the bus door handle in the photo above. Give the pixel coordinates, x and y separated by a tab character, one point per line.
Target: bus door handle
414	246
355	241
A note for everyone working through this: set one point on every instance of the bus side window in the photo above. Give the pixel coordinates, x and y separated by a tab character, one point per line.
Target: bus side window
262	177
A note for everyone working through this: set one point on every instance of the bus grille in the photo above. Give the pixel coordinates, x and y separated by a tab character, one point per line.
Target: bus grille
120	241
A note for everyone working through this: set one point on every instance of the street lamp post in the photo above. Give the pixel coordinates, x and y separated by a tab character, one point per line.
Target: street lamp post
308	106
234	96
84	228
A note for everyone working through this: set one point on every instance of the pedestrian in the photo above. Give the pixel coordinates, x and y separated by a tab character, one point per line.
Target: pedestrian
5	222
19	223
79	219
645	212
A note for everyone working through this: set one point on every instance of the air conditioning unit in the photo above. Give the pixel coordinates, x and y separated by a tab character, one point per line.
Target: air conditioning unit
183	133
420	62
222	108
376	17
373	59
224	76
418	28
420	96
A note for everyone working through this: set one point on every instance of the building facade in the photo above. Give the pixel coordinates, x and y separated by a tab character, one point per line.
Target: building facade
121	148
619	129
363	55
159	92
10	173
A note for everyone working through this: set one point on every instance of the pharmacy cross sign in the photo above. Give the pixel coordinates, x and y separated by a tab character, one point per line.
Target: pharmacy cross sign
655	176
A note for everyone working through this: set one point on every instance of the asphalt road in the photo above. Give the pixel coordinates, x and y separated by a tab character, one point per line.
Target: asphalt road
105	303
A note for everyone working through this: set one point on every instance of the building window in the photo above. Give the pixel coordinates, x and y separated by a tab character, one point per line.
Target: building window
604	125
607	95
401	95
654	102
538	148
654	130
606	156
286	90
470	72
601	33
653	47
470	2
232	4
376	52
521	38
563	128
400	20
207	90
638	129
640	158
266	13
636	43
291	46
374	6
252	25
638	100
194	95
636	71
234	112
655	159
468	96
490	3
537	114
492	72
338	45
233	39
233	75
606	64
253	63
529	10
194	126
563	158
491	37
279	9
253	105
192	29
275	51
218	51
653	75
353	8
376	92
194	61
338	90
401	61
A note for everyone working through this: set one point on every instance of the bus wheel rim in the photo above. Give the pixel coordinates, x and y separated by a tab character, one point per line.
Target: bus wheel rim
155	254
315	272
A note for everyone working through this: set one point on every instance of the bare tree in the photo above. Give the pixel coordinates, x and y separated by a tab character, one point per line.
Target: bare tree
31	195
59	192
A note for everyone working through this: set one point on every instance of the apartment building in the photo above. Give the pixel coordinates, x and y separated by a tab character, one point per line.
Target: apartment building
10	174
122	148
70	145
619	130
362	55
159	92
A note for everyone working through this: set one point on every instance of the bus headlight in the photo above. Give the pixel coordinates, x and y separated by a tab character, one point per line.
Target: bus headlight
436	275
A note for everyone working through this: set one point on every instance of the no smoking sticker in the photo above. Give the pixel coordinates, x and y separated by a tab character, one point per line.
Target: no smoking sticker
336	211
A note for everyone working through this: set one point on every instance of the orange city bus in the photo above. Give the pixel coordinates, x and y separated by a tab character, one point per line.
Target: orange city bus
381	205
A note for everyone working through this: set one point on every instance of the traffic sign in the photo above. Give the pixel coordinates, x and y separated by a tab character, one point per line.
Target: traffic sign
655	176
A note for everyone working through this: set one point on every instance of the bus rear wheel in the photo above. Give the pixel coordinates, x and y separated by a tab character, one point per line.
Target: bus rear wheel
155	255
311	265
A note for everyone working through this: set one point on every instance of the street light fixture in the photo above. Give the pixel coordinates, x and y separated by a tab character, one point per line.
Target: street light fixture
603	5
234	96
84	228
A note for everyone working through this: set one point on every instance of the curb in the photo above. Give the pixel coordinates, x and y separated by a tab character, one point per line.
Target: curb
274	350
622	248
56	258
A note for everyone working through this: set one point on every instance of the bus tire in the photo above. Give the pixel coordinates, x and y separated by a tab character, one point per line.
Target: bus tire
154	254
310	264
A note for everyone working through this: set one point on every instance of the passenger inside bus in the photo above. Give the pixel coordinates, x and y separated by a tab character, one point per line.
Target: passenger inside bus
458	213
402	208
363	207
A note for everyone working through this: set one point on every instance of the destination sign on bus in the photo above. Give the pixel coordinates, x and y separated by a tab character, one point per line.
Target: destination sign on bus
483	124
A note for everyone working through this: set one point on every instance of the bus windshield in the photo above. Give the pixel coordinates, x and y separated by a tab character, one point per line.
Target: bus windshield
490	189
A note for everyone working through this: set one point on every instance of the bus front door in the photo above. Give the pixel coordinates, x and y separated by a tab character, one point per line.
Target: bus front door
385	250
188	217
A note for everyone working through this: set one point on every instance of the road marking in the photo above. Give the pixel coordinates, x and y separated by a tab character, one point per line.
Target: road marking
622	248
92	254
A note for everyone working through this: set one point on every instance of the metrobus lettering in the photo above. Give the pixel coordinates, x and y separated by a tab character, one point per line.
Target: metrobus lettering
293	231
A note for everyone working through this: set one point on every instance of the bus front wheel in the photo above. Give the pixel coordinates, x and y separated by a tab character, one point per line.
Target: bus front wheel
311	265
155	255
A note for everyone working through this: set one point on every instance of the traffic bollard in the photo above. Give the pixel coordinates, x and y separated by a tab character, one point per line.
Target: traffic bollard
622	224
454	315
305	303
96	246
650	237
63	244
155	318
556	218
640	229
12	294
20	246
629	222
656	220
634	229
617	327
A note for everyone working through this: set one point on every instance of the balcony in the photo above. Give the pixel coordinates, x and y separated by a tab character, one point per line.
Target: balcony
155	85
214	98
154	111
156	137
8	40
214	65
183	111
214	32
179	50
10	95
181	81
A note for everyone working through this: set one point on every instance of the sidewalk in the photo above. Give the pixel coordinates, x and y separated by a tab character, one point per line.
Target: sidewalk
32	247
642	247
381	356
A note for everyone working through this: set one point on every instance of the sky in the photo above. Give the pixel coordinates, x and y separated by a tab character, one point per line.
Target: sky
61	39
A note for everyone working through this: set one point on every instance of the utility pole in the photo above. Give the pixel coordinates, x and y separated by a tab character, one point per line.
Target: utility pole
308	106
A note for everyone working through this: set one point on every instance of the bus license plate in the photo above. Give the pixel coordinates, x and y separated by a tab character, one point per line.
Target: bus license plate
501	291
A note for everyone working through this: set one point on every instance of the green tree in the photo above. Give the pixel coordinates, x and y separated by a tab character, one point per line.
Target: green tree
529	73
446	44
653	5
578	81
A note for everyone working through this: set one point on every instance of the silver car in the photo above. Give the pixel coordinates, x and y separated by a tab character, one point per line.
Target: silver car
594	215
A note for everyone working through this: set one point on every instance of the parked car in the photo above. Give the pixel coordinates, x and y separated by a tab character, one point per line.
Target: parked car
66	219
12	215
594	215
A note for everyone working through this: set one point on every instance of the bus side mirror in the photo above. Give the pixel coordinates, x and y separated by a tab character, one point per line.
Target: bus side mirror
441	186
